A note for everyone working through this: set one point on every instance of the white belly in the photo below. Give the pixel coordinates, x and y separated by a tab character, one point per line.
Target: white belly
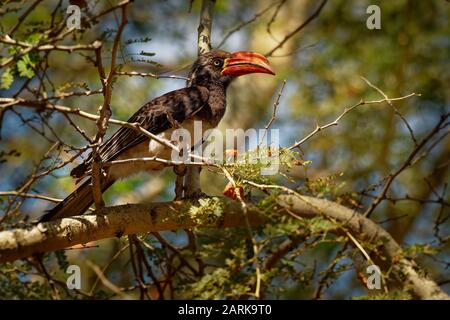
152	148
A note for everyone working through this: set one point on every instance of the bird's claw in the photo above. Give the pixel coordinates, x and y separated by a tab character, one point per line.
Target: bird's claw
196	195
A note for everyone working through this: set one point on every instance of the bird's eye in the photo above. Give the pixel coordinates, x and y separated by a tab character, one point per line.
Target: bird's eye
218	62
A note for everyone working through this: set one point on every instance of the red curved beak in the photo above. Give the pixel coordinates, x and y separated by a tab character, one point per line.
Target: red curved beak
241	63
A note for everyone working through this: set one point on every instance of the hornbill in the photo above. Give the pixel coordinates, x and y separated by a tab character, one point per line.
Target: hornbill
203	99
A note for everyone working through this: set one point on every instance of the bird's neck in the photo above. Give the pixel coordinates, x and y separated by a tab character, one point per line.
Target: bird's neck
215	109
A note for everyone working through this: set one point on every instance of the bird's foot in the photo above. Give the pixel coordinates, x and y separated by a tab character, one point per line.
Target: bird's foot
196	195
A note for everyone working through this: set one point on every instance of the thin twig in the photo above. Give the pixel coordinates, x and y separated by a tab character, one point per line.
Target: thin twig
105	110
411	133
255	247
275	106
299	28
105	268
29	195
149	75
274	16
247	22
438	127
346	111
108	284
24	16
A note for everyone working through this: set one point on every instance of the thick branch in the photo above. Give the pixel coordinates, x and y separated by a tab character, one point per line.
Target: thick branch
106	223
205	25
192	176
366	229
131	219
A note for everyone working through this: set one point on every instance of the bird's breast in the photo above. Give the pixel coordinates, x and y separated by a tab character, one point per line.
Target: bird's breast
192	129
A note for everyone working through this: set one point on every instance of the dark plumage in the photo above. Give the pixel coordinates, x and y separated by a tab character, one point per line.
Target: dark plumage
203	99
155	116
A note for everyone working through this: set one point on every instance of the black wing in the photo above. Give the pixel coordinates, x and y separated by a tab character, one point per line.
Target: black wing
156	116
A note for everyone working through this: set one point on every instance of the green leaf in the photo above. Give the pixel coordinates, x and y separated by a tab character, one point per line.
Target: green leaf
24	69
33	38
27	60
7	79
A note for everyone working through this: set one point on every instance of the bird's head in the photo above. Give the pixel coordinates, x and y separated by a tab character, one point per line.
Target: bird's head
222	67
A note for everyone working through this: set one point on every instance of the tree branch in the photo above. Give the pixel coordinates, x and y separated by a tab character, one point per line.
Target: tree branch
314	15
409	161
205	25
192	176
130	219
105	110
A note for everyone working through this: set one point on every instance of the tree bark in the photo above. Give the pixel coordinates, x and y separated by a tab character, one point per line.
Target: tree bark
134	218
192	186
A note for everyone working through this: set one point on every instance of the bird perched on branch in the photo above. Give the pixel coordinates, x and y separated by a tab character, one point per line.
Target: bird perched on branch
204	99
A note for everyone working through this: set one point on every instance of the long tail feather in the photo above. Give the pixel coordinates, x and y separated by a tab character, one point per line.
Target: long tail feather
77	202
